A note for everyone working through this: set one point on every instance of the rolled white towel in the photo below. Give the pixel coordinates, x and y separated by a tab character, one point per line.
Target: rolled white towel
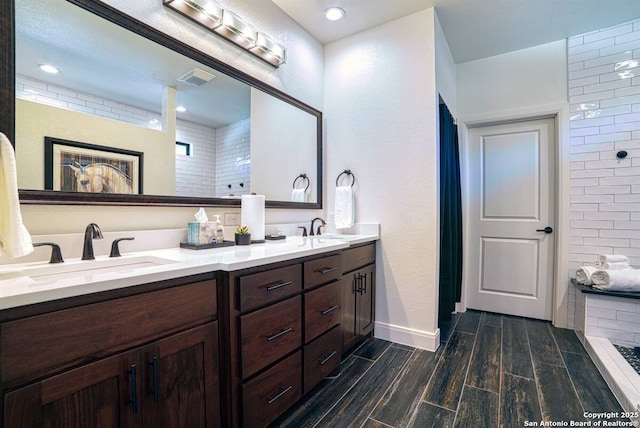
617	280
615	266
610	258
583	274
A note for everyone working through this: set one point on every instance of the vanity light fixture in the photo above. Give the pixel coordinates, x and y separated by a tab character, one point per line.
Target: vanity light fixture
334	13
269	50
47	68
205	12
230	26
235	29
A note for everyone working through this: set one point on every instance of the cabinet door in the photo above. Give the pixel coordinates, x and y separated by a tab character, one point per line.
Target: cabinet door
101	394
181	382
366	300
349	322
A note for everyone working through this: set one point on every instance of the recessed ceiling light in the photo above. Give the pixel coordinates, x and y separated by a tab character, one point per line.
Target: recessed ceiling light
334	13
181	109
49	68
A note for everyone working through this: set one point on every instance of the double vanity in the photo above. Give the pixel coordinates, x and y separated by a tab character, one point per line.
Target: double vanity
231	336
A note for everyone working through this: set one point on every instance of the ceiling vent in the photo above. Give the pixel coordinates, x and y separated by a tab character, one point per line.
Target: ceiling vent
196	77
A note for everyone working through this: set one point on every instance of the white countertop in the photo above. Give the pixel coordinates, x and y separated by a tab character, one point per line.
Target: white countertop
19	286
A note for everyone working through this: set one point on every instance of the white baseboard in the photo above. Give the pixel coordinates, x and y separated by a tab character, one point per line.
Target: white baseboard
408	336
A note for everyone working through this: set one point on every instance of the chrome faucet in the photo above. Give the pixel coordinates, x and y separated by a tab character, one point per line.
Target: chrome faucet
91	232
311	233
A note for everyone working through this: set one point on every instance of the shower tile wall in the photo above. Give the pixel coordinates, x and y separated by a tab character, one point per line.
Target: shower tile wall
604	96
233	166
230	165
195	174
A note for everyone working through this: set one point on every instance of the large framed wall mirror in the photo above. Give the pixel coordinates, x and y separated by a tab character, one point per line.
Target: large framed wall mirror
205	133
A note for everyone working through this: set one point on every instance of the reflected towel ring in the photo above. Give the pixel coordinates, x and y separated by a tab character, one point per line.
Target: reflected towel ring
348	172
304	177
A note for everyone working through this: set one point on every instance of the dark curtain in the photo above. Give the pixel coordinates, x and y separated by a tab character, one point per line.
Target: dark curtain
450	282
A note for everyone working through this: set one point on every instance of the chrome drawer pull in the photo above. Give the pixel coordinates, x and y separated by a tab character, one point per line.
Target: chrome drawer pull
332	308
327	270
284	391
277	335
323	362
279	285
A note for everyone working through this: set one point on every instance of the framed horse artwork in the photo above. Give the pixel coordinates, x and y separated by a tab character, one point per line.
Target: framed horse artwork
72	166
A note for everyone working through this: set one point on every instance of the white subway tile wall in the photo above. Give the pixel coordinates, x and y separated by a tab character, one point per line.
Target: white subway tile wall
70	99
196	175
614	318
233	166
604	98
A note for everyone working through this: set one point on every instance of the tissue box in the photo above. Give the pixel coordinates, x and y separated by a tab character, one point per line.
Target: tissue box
199	233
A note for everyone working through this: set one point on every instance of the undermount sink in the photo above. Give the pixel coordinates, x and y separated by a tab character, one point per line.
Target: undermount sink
78	268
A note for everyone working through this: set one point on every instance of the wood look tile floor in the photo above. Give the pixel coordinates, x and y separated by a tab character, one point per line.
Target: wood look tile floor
490	371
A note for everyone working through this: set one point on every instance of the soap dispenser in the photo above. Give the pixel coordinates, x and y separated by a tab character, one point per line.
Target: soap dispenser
219	230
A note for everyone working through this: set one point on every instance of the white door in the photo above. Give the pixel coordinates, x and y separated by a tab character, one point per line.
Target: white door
510	201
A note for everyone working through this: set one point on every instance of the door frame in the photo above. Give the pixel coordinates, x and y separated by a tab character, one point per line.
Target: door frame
560	112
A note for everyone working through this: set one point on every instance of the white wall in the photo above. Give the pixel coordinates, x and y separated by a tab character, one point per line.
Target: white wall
293	131
525	83
445	71
301	77
380	109
513	81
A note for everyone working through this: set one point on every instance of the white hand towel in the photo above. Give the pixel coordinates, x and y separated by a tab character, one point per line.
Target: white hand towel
583	274
615	266
15	240
344	209
617	280
611	258
298	195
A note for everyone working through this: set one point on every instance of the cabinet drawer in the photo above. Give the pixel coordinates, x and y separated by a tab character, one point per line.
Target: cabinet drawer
273	392
41	344
270	333
321	357
322	271
323	309
354	258
262	288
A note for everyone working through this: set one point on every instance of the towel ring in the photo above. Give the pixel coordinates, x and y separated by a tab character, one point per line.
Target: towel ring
348	172
303	177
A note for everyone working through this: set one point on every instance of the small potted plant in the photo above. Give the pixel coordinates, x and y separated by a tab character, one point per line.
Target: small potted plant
243	237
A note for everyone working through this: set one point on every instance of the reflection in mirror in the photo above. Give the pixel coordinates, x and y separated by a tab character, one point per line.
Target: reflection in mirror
119	92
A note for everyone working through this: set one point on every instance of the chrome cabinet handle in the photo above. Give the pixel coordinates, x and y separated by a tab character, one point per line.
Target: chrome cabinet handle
279	285
327	270
283	390
323	362
332	308
277	335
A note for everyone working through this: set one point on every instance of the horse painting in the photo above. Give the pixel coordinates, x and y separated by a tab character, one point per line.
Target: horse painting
101	178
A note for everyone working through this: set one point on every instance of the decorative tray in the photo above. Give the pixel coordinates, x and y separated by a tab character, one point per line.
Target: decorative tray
206	246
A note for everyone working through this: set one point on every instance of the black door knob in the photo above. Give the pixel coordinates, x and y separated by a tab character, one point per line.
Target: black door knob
547	229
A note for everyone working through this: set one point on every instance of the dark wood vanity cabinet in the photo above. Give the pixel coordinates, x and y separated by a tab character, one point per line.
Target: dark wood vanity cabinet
358	281
144	360
281	338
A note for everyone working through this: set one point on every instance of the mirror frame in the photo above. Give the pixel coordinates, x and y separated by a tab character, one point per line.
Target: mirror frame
104	11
